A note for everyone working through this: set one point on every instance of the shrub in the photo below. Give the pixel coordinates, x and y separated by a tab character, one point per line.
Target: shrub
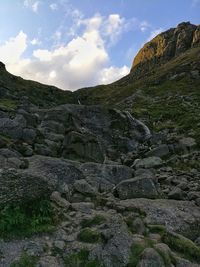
80	259
26	219
89	235
25	261
96	220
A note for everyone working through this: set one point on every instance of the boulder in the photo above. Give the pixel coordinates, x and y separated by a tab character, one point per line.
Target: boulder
160	151
137	187
151	258
179	216
18	186
150	162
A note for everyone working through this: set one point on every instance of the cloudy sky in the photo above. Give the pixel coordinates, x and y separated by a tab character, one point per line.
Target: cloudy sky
78	43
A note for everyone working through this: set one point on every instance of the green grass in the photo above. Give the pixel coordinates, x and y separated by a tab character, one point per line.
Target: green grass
8	104
80	259
182	245
89	235
25	220
178	243
96	220
25	261
137	250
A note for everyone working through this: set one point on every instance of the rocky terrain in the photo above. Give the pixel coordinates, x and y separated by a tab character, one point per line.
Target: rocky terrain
110	182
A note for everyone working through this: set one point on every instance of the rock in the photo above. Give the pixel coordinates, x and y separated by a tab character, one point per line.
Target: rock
60	201
164	47
176	193
104	176
19	186
197	201
150	162
160	151
56	172
185	263
83	207
197	241
179	216
116	250
83	187
136	188
139	226
49	261
192	195
82	147
59	244
34	249
29	135
151	258
187	143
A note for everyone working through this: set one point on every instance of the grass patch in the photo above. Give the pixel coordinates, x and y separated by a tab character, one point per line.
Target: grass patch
137	250
8	104
89	236
177	242
182	245
25	261
25	220
80	259
5	139
96	220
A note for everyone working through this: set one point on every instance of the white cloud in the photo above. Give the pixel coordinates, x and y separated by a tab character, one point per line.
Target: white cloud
53	6
35	41
34	5
108	75
144	25
12	50
83	61
154	33
114	26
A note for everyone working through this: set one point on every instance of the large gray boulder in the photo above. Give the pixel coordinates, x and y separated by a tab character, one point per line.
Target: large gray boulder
17	186
104	177
136	188
151	258
178	216
56	172
93	133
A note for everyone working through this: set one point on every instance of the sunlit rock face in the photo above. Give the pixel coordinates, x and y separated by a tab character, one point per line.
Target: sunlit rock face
166	46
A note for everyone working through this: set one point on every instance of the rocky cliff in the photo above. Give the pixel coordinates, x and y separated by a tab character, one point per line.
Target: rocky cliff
110	185
167	46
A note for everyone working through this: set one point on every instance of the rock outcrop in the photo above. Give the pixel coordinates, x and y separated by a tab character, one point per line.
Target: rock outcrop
165	46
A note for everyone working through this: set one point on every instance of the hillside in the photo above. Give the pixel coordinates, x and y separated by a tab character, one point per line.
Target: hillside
107	176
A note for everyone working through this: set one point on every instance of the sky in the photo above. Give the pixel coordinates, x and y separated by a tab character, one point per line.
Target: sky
80	43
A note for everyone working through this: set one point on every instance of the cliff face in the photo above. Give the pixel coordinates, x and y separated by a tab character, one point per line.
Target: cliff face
166	46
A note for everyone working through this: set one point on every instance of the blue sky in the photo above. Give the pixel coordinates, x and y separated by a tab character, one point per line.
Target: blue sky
78	43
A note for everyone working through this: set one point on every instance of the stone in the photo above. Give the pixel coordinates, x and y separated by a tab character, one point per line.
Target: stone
160	151
59	244
150	162
151	258
192	195
34	249
176	193
83	187
197	241
19	186
84	207
179	216
137	187
60	201
187	143
49	261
